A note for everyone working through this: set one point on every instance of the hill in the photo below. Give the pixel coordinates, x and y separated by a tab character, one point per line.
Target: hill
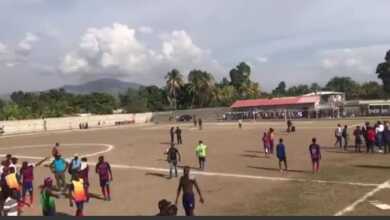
111	86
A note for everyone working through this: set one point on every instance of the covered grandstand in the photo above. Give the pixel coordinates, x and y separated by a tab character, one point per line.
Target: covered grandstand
313	105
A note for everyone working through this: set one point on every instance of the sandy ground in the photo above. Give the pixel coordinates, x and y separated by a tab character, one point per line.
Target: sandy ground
238	179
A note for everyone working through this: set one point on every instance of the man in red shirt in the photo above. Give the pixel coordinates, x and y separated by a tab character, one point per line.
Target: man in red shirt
371	137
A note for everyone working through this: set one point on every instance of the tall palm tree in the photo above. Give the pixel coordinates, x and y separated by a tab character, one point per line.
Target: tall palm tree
174	82
202	84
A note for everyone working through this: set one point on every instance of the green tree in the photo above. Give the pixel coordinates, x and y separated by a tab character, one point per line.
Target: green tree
132	102
202	84
154	96
344	84
383	72
174	82
280	90
371	90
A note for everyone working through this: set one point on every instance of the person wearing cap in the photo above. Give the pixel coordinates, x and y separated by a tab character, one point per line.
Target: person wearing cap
47	198
75	165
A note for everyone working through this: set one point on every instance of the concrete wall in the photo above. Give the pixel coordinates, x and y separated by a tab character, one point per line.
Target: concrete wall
68	123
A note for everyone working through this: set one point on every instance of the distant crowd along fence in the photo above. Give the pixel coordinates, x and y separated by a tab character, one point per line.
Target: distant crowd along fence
70	123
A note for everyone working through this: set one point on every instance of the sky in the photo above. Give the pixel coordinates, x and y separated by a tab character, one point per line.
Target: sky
48	43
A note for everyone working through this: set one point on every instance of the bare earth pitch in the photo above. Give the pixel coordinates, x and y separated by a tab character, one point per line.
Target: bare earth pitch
238	179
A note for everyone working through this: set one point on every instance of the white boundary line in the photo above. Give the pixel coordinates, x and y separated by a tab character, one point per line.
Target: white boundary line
109	148
351	207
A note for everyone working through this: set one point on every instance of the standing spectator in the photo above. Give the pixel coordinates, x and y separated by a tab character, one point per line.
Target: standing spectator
345	137
315	154
55	150
365	130
386	139
178	135
240	124
338	134
379	135
370	139
358	138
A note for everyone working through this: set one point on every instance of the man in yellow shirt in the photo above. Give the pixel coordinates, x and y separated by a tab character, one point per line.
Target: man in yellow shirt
201	153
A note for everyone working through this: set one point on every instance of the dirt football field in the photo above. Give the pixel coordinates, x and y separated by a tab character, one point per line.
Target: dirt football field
238	179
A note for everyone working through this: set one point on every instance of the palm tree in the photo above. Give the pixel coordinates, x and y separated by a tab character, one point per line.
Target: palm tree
202	84
174	82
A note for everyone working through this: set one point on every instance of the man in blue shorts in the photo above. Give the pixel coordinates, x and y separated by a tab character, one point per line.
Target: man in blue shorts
187	184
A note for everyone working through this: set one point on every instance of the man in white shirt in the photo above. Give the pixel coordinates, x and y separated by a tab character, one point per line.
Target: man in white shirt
11	205
379	134
338	134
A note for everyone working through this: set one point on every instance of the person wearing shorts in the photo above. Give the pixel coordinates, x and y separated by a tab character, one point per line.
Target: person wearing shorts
103	169
201	153
186	184
266	144
315	154
77	194
27	177
281	155
59	167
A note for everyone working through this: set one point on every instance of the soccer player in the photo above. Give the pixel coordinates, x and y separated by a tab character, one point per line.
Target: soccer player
178	136
103	168
271	137
84	174
172	134
186	184
266	144
47	198
27	178
201	153
315	154
289	124
200	123
281	155
173	156
77	194
240	124
58	167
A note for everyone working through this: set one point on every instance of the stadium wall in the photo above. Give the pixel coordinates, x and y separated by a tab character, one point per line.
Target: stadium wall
71	123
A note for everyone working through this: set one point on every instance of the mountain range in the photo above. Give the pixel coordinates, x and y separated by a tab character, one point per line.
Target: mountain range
110	86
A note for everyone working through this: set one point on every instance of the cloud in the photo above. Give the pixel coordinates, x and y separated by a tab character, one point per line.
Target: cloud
360	62
146	30
25	45
262	59
116	51
3	48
